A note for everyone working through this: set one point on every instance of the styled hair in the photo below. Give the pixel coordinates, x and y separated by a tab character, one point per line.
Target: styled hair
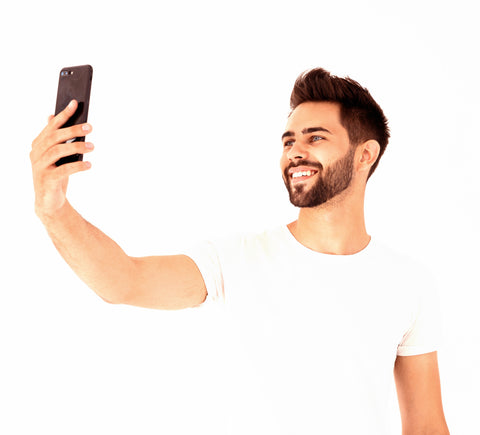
360	115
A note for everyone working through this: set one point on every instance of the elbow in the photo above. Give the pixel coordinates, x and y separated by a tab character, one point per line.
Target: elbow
114	297
109	301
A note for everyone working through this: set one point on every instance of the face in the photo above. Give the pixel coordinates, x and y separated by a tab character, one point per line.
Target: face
317	159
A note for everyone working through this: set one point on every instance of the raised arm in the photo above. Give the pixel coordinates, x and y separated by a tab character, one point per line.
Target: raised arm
164	282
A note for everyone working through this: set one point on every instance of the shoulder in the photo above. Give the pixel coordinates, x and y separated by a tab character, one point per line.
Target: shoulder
234	246
403	272
389	256
268	239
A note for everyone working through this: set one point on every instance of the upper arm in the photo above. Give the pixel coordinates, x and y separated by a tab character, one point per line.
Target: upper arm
418	388
166	282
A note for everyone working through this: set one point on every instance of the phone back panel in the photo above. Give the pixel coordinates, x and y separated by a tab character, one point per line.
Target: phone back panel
74	84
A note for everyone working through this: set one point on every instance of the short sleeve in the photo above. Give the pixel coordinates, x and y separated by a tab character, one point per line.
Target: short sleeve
206	257
424	334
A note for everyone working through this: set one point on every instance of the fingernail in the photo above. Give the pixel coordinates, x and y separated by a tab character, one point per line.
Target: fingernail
71	104
89	146
85	127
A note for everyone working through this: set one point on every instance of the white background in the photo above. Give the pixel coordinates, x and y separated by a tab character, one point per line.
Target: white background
188	103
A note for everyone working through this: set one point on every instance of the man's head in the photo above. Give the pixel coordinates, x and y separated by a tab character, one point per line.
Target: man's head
333	122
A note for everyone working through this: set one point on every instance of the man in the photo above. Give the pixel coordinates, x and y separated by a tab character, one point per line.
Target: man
320	314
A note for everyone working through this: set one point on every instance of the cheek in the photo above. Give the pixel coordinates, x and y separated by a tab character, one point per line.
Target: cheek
283	162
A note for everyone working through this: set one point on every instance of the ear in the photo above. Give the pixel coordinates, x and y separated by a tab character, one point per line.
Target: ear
369	152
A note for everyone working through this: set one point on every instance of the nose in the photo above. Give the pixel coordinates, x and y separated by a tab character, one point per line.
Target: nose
297	151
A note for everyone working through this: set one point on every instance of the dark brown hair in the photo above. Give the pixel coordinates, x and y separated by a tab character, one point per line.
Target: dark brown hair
361	116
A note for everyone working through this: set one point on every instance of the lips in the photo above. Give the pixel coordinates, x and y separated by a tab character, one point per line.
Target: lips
301	173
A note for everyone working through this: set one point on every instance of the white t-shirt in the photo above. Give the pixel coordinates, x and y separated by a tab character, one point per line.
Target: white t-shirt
313	337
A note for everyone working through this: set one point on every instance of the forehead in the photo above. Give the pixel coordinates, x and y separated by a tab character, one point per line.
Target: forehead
314	114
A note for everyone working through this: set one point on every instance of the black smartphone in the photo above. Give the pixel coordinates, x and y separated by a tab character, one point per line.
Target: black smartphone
74	83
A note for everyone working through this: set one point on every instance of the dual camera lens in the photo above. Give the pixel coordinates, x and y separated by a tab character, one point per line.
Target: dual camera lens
66	73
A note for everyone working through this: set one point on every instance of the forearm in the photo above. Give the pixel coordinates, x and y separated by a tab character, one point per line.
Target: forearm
92	255
163	282
441	430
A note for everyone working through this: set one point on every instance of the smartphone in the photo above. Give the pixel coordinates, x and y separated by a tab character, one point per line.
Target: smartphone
74	83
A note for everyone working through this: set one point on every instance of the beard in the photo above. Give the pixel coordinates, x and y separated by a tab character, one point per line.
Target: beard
328	184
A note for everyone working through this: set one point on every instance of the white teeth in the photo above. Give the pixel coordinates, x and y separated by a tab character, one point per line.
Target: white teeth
302	174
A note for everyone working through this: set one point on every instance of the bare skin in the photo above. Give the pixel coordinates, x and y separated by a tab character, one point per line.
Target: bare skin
174	282
50	182
164	282
337	226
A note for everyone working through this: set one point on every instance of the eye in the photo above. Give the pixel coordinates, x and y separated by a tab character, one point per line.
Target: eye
316	138
288	143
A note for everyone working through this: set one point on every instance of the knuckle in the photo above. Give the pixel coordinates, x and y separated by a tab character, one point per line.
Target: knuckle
57	121
51	120
69	133
32	157
34	143
38	140
50	155
49	137
45	141
61	118
53	154
75	131
80	147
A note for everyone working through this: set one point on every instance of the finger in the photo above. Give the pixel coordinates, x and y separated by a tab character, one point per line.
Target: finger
63	150
49	139
65	134
54	122
64	171
43	134
60	119
52	134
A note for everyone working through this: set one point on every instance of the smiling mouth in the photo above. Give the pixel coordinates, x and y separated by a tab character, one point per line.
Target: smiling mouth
302	175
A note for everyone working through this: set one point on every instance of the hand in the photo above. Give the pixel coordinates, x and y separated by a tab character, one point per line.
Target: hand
50	181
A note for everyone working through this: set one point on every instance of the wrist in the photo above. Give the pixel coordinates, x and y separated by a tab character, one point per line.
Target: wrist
49	217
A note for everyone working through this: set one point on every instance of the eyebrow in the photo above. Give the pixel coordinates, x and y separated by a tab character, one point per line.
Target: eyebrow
306	131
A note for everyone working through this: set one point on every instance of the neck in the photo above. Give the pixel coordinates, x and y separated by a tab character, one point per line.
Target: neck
336	227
